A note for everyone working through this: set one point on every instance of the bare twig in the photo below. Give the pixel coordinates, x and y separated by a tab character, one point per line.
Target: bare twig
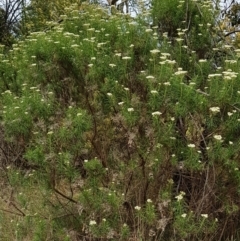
8	211
64	196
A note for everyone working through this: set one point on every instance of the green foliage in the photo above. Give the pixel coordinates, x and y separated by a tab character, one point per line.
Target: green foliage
113	130
38	16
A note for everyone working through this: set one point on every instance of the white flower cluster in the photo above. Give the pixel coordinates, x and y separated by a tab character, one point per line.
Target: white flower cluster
229	74
180	72
218	137
180	196
138	208
215	109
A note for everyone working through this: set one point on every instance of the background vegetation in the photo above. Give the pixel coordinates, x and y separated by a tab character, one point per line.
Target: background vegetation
116	127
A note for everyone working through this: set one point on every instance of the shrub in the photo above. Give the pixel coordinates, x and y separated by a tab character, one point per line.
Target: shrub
121	132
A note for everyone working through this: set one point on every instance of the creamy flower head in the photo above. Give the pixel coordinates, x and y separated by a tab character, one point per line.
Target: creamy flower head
214	109
180	72
130	109
184	215
156	113
171	61
227	46
218	137
137	208
180	196
155	51
92	222
214	75
148	30
165	54
126	57
230	61
149	77
179	39
229	74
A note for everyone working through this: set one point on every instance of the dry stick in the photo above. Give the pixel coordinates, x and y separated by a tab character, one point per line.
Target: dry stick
201	92
232	32
235	107
189	22
188	27
65	209
10	202
64	196
204	191
207	176
227	34
18	209
199	10
93	116
220	238
4	153
8	211
103	161
71	189
198	129
128	184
